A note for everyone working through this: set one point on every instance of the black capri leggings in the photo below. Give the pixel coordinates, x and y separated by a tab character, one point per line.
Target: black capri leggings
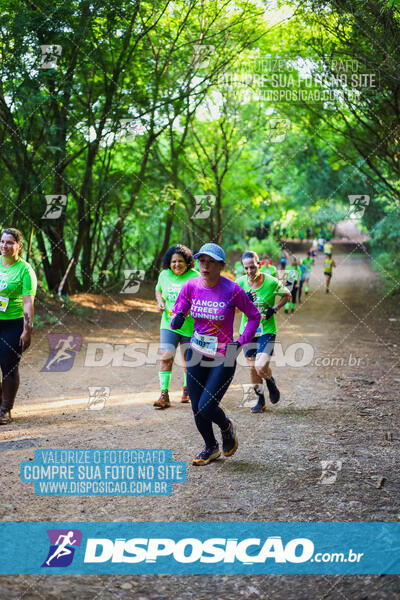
293	290
10	348
207	380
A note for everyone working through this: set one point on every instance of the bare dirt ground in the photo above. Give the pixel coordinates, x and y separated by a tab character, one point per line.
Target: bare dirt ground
342	406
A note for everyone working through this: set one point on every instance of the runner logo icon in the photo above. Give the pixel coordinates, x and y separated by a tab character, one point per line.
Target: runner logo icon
62	547
133	279
98	396
63	347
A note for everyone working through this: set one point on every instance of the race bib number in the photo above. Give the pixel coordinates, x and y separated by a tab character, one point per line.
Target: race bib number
206	344
3	303
259	331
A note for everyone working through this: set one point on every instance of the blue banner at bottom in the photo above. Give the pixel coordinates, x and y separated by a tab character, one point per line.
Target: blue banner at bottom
200	548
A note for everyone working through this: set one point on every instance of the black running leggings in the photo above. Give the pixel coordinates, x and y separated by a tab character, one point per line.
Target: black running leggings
207	380
293	291
301	283
10	350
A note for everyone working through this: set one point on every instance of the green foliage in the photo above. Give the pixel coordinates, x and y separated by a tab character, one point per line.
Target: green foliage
267	246
132	188
386	247
45	320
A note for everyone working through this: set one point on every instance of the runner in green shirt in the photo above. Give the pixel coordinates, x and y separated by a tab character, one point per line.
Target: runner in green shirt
263	289
307	262
292	278
266	266
177	270
17	293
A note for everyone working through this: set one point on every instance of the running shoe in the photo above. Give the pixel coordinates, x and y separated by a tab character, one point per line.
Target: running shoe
163	401
229	440
260	406
206	456
287	311
327	290
5	417
274	393
185	396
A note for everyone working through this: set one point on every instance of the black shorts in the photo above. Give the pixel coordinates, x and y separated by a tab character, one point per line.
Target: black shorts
264	343
328	274
10	348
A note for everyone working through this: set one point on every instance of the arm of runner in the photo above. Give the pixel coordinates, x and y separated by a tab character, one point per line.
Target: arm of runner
285	294
333	263
244	304
159	298
287	297
160	301
181	307
25	339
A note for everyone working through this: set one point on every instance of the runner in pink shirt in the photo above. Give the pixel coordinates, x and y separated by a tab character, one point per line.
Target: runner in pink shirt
211	359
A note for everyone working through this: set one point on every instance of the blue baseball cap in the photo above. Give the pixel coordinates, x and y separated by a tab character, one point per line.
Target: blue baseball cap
212	250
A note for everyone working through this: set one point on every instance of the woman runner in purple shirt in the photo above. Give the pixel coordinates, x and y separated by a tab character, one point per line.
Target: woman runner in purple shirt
211	358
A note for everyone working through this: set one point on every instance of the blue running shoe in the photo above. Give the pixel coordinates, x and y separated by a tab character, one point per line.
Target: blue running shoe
260	406
229	440
206	456
274	393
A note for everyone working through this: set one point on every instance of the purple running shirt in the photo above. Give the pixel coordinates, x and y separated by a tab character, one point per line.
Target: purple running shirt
213	311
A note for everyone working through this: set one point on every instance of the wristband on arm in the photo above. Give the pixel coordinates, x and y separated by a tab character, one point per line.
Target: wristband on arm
178	321
269	312
251	295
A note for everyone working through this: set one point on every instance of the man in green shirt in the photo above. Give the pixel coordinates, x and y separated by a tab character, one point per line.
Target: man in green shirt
262	289
292	278
307	262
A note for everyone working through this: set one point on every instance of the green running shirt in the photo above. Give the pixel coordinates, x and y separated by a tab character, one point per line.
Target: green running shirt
293	273
265	298
170	285
15	281
307	262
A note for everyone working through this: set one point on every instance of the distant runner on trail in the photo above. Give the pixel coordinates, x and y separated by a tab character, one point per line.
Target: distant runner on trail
307	262
268	266
177	270
301	281
329	263
283	260
211	358
328	246
263	289
292	277
314	248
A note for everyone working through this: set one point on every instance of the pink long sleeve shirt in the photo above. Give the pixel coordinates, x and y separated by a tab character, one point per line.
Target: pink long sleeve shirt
213	311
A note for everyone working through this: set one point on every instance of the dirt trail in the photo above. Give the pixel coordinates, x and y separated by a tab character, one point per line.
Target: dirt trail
338	407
